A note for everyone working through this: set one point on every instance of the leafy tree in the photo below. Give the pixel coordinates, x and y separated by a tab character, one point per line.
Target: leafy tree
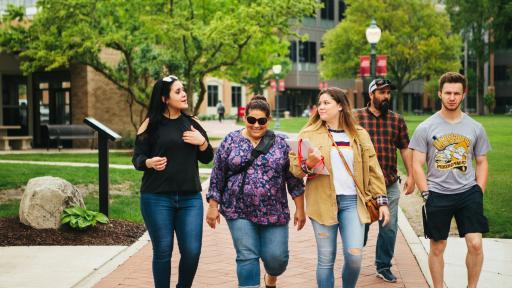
191	39
416	38
255	66
475	19
215	35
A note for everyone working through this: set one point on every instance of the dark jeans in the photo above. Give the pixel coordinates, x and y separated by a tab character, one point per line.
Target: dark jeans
163	215
385	248
221	117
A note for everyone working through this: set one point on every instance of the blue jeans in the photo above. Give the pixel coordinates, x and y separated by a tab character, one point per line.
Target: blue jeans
385	249
352	235
163	215
252	242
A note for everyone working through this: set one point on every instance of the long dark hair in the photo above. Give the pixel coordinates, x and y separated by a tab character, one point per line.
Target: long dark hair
157	104
347	119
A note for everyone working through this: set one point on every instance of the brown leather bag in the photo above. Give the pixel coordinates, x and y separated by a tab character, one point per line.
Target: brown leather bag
371	204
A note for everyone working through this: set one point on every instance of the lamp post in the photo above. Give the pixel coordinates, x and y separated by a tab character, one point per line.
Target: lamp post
373	33
277	69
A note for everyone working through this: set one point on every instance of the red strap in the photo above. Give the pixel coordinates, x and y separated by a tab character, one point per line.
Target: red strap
300	160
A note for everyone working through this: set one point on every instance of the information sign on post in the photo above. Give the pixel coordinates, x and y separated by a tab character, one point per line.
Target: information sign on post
104	134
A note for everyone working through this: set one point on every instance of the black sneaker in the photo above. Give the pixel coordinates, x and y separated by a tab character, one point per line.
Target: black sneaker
386	275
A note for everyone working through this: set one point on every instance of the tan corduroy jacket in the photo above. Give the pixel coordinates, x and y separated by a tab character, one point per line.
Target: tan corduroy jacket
320	194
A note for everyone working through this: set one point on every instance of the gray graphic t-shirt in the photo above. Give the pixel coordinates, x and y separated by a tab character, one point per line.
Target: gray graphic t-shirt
450	149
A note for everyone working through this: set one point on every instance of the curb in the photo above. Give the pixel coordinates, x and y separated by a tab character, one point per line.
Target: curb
113	263
414	242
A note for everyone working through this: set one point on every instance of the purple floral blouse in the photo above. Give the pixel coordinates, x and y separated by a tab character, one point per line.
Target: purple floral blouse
264	199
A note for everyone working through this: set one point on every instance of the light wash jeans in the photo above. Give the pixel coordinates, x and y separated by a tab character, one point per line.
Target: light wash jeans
385	248
252	242
163	215
352	236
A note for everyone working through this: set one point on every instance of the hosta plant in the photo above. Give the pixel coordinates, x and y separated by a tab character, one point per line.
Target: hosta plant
80	218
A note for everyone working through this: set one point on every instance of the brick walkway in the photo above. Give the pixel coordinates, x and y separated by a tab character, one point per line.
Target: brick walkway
217	263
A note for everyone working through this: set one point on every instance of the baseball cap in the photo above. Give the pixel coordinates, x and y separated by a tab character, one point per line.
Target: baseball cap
380	83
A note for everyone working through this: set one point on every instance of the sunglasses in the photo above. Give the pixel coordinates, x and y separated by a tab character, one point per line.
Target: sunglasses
382	82
170	78
252	120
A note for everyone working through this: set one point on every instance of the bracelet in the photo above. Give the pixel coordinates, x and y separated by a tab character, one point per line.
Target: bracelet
203	142
425	194
305	168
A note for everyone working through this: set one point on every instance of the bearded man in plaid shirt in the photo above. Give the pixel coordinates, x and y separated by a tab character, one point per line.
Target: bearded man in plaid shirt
388	132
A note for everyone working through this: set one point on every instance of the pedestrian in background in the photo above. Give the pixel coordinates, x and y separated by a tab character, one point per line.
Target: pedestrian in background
220	110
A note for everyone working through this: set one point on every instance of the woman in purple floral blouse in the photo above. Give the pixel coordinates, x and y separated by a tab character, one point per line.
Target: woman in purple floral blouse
257	213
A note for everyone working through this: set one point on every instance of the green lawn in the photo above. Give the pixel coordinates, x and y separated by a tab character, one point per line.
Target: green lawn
120	207
17	175
124	158
113	157
292	125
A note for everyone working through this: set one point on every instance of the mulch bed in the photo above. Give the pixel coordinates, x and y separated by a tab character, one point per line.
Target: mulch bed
117	232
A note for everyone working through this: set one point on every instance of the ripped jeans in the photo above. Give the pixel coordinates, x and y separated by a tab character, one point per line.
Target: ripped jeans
352	236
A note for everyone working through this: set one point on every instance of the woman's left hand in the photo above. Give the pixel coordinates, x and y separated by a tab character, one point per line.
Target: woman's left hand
384	215
299	219
193	137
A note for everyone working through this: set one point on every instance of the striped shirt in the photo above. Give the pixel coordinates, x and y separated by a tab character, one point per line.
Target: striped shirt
343	182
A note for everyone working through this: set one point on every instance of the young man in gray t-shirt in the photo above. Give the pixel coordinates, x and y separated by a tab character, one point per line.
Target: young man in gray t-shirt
449	141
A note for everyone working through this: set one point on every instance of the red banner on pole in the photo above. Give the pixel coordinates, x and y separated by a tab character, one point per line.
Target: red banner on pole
382	65
273	84
323	85
364	66
281	84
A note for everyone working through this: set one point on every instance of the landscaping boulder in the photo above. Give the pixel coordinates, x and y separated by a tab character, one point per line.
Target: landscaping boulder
44	200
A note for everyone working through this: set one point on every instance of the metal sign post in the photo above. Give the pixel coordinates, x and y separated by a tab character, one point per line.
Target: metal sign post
104	134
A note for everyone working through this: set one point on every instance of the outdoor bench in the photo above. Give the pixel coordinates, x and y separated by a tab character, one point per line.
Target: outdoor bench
61	132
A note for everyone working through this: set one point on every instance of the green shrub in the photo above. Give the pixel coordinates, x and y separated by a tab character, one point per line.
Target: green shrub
490	101
80	218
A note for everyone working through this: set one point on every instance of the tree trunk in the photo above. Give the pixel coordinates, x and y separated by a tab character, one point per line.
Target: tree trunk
200	98
400	100
479	94
190	89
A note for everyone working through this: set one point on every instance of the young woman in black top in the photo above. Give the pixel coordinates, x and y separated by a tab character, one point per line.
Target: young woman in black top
169	143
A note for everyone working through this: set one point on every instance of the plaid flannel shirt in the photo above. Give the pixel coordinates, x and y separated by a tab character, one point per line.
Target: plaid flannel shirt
387	133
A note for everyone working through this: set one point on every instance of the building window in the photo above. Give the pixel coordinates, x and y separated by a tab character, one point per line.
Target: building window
327	11
307	52
213	95
293	51
341	8
236	96
321	55
502	73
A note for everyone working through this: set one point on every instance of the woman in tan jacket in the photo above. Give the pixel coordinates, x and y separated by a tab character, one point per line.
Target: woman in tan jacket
333	202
